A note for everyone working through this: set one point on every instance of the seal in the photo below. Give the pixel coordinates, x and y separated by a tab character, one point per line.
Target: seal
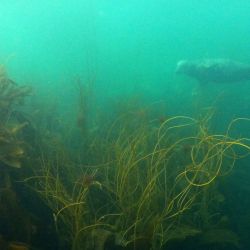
214	70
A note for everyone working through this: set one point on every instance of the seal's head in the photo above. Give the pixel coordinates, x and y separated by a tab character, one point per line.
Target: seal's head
181	67
186	67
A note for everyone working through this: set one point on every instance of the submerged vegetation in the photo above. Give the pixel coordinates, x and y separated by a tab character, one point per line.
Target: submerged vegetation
139	180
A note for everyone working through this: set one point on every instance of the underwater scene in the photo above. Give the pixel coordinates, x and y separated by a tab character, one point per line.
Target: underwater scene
125	125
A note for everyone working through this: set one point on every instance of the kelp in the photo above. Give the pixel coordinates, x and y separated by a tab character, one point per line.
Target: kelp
149	183
139	182
12	149
11	94
11	146
14	219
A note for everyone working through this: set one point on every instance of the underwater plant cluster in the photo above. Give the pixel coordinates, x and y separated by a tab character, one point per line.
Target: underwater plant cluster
134	179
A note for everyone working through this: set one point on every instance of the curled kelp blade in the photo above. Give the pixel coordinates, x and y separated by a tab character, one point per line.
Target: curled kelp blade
15	163
14	130
11	153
